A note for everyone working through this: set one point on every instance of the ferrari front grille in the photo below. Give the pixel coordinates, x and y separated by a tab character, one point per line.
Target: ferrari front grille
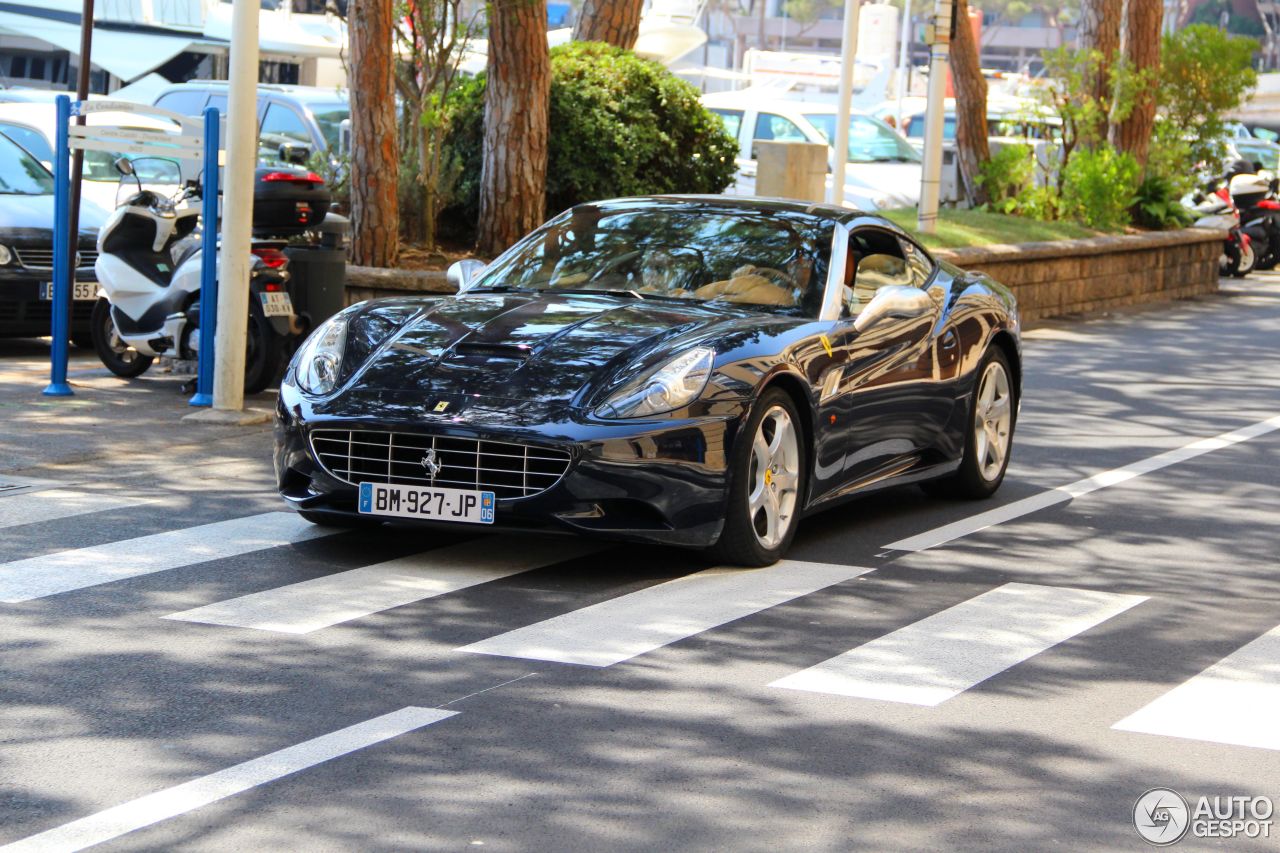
507	469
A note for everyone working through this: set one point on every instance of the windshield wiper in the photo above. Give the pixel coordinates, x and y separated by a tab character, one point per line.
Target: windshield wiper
503	288
632	293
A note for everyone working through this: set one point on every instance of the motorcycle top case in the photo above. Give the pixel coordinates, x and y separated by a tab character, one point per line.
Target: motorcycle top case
1248	190
288	200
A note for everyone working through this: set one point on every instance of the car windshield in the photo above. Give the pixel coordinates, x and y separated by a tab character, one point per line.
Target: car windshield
1267	155
774	259
20	173
870	140
330	118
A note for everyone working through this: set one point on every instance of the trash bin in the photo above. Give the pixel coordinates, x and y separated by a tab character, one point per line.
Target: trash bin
318	272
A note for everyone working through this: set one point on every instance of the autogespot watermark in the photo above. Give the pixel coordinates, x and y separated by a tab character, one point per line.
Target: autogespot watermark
1162	816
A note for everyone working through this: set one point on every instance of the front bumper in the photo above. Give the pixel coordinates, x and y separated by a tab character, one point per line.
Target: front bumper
656	481
24	314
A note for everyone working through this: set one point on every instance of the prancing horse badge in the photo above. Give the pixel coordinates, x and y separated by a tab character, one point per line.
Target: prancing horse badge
442	405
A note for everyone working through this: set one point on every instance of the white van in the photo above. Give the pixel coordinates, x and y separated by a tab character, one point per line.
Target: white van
884	169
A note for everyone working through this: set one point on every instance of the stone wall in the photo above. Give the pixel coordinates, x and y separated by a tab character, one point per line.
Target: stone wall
1078	276
1049	279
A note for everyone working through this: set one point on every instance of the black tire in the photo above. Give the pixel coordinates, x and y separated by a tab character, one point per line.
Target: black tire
264	359
740	541
974	479
120	359
326	518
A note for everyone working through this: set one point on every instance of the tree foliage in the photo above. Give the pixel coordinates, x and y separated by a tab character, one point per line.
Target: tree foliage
621	126
1205	73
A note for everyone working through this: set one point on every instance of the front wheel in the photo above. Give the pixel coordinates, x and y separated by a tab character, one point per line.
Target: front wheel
767	478
120	358
990	434
1248	260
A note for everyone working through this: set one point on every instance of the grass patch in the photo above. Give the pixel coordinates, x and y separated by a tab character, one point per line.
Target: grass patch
960	228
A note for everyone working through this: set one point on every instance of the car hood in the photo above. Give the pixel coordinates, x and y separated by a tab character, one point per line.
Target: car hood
32	216
544	347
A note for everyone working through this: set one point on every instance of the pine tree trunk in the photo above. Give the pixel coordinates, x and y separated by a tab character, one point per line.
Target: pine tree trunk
972	149
1142	48
1100	31
513	179
374	162
614	21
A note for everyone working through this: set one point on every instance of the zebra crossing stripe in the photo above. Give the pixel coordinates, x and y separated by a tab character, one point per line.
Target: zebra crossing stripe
941	656
1235	701
311	605
630	625
189	796
50	504
64	571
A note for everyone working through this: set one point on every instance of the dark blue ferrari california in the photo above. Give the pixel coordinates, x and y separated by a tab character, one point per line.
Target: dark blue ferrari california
697	371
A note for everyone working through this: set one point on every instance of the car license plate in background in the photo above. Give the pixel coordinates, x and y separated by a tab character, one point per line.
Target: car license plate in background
276	304
462	505
81	291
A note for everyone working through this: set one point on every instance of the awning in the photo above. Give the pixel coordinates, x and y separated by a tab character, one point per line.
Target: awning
127	55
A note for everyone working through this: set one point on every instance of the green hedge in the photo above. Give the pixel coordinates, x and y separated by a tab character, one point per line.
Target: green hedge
620	126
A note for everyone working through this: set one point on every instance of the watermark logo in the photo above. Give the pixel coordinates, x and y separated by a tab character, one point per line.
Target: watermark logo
1161	816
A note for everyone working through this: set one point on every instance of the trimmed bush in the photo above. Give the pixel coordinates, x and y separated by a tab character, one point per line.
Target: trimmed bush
620	126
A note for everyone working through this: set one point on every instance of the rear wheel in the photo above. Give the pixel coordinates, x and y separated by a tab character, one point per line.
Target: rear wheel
120	358
767	479
264	357
990	435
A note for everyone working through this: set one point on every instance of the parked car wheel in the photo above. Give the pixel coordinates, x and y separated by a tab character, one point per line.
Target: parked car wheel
120	358
767	485
992	416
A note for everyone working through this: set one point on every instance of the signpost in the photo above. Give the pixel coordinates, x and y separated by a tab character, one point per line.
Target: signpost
183	145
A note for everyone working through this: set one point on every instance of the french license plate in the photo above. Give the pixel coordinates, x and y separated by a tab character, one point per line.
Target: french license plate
276	304
81	291
471	507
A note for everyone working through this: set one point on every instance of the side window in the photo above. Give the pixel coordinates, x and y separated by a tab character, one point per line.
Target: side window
732	121
772	127
280	126
219	103
875	260
189	103
919	266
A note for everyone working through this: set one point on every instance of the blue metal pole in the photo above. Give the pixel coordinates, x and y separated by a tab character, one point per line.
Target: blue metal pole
208	262
58	386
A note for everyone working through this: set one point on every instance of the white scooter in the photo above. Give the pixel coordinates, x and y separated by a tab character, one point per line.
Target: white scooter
148	270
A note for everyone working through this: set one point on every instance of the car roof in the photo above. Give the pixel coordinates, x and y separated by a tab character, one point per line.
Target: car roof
745	99
43	117
301	93
820	212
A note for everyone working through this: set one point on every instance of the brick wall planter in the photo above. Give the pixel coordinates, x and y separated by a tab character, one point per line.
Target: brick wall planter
1050	279
1075	276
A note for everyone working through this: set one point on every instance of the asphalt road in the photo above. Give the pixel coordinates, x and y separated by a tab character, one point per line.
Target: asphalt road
184	666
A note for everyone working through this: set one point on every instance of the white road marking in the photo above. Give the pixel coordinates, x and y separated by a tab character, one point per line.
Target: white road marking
1235	701
189	796
930	661
621	628
1062	494
63	571
311	605
50	504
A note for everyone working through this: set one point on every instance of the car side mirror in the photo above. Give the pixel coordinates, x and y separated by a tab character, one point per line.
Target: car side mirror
462	273
124	166
295	152
894	302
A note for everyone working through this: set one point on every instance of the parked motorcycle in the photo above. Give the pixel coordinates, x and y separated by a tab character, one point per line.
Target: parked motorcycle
1215	210
1254	196
148	268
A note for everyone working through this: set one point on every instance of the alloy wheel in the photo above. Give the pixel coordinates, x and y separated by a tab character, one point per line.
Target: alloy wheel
774	477
992	421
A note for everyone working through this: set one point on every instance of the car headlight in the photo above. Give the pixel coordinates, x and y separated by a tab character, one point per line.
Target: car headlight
673	384
320	357
5	255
